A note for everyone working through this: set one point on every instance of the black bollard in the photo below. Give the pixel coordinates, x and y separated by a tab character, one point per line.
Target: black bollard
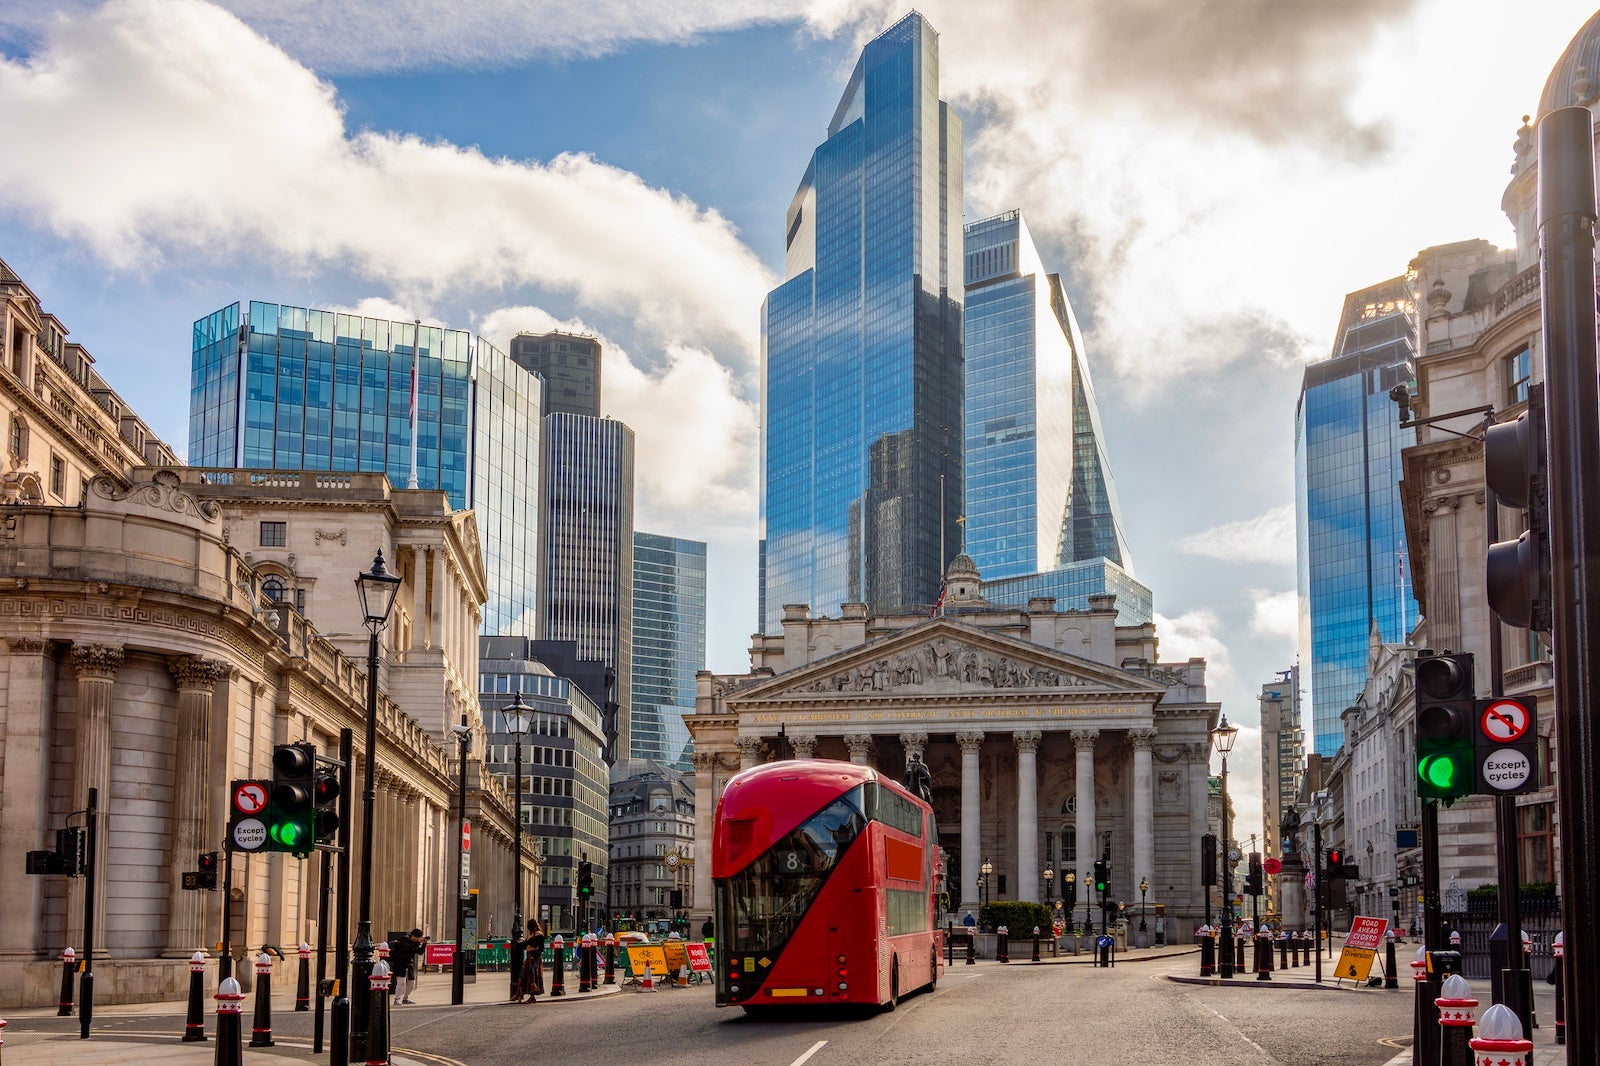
972	947
611	959
949	943
302	988
583	964
1283	951
1263	957
1106	943
261	1028
1455	1005
1208	951
1002	941
339	1028
1391	975
194	1026
1558	949
1238	952
69	962
1035	944
230	1030
558	952
378	1016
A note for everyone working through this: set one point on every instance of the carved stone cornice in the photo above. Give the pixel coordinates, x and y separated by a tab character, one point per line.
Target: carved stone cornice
164	491
96	660
193	672
24	645
1027	741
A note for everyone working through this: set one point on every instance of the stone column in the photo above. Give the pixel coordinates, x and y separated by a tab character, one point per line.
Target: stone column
860	745
804	744
971	817
705	802
194	828
1088	849
1143	809
96	665
1027	742
749	751
421	632
1199	811
25	822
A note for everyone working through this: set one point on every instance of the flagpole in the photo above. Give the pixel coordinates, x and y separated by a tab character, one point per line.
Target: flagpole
416	366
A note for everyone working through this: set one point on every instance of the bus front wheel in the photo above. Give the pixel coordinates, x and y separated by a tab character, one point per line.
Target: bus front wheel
894	986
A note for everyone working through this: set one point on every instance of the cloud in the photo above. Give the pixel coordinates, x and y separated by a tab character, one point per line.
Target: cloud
1267	538
1275	615
1191	634
170	125
694	433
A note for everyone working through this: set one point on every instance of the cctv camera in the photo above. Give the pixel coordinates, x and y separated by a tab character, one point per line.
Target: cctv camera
461	730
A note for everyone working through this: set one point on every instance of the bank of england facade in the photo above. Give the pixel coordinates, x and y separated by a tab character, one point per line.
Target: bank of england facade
1053	738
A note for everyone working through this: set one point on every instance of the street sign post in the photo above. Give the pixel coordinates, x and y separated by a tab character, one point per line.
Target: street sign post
247	808
1506	745
1355	958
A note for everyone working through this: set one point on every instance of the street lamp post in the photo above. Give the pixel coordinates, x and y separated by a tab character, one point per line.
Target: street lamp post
458	965
377	589
1144	886
1070	891
1049	876
1088	898
1225	735
987	871
517	725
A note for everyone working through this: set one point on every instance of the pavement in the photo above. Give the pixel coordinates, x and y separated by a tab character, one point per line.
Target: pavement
32	1040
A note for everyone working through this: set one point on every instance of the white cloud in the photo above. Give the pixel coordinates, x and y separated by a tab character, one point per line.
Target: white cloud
170	125
1275	615
1266	538
1191	634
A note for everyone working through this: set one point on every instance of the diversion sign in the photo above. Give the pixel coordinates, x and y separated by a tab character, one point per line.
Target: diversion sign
1355	958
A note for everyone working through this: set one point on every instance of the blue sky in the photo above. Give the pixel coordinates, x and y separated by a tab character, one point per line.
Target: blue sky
1210	176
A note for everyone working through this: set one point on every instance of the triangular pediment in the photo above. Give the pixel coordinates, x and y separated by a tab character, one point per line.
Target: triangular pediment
944	657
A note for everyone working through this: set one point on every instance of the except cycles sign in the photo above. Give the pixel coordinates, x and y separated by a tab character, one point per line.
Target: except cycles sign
1506	745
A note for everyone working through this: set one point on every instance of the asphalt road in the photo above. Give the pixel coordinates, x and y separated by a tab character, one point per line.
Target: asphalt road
988	1014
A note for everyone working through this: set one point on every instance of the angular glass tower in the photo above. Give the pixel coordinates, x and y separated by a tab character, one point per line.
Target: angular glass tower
669	644
861	391
1351	533
1039	492
275	387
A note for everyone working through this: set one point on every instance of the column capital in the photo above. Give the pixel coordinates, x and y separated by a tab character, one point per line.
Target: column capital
96	660
24	645
804	744
1027	741
704	760
914	742
860	744
1141	739
194	672
1085	738
750	746
970	740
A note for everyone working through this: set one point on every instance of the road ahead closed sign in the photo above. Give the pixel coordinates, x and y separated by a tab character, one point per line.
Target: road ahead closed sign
1355	959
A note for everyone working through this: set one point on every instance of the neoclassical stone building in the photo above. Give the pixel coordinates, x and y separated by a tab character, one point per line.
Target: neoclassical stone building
1052	737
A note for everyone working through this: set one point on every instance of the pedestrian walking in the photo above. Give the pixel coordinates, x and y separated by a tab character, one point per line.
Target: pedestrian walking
532	984
403	957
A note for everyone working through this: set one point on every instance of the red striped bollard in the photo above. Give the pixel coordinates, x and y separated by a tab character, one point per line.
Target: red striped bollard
194	1026
1527	964
69	962
1263	956
583	963
1455	1005
611	959
558	980
378	1015
1558	948
302	988
261	1029
1208	950
1499	1038
230	1030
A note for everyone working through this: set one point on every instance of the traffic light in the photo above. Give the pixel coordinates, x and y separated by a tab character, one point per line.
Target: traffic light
1446	705
291	818
70	851
325	804
1252	878
1208	860
1102	875
1515	468
208	870
1335	861
585	878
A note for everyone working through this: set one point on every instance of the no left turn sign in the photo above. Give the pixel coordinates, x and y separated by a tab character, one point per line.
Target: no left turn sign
1504	721
250	797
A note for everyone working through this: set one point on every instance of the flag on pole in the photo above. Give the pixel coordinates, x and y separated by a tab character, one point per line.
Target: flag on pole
938	604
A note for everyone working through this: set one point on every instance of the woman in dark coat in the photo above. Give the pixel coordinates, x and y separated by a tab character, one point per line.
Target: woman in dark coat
533	963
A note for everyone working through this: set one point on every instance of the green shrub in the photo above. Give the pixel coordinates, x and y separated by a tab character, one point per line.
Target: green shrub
1018	917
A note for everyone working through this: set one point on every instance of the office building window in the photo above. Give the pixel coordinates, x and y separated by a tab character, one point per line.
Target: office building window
272	590
58	475
1536	834
274	534
1519	371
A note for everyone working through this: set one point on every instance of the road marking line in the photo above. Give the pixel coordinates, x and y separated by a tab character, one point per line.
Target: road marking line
1241	1035
814	1049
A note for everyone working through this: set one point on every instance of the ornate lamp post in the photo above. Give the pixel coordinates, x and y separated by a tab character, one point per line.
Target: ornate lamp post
1049	876
517	725
1144	886
1069	889
377	589
1225	735
987	871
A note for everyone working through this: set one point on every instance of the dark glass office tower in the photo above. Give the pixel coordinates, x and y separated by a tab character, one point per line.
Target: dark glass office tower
570	366
1353	576
669	644
861	461
276	387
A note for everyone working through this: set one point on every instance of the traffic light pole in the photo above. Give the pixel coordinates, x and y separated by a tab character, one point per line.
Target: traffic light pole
1572	421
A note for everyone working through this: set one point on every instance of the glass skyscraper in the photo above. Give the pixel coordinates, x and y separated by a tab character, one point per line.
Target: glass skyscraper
1353	576
1039	492
861	465
669	644
275	387
588	547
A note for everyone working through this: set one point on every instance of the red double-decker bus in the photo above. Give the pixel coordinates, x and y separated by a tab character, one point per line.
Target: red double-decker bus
826	876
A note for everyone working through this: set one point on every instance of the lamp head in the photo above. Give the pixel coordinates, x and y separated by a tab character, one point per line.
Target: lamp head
1225	734
377	589
517	722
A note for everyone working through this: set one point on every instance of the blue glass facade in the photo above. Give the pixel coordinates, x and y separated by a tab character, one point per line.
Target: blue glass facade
1351	554
1071	586
275	387
1039	492
861	349
669	644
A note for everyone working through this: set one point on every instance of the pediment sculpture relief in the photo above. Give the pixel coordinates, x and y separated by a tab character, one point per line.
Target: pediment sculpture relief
950	660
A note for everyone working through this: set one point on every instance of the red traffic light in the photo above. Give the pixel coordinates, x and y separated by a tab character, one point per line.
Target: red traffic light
1335	857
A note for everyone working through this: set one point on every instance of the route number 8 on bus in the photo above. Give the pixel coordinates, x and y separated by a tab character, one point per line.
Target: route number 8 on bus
826	878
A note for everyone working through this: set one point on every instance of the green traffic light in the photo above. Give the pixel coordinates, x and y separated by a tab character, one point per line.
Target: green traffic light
287	834
1440	771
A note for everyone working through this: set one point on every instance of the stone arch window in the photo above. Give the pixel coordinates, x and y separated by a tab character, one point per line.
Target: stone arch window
1069	844
273	589
19	438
